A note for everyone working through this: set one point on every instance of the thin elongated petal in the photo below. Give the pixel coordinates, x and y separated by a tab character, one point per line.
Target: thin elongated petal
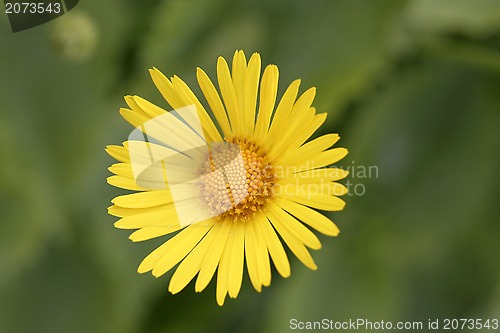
135	119
293	243
153	178
251	88
268	91
126	183
251	256
153	232
263	262
166	88
322	177
306	132
189	98
140	105
213	99
191	265
181	136
144	200
282	112
295	186
236	261
322	159
239	69
284	222
178	95
224	267
274	245
181	246
156	216
316	200
165	254
309	149
309	216
229	95
124	212
209	265
119	153
281	145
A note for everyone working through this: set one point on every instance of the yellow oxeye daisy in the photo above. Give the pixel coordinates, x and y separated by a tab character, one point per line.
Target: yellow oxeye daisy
232	183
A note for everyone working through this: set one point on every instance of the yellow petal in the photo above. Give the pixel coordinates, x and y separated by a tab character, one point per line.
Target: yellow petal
263	262
322	175
126	183
309	188
133	118
287	225
211	261
192	263
153	129
251	256
175	132
144	199
142	106
153	232
309	216
189	98
166	88
322	159
282	112
303	103
122	212
150	261
252	77
135	108
178	247
276	250
179	95
224	267
294	126
267	99
239	69
308	150
119	153
305	133
229	95
122	169
152	177
316	200
156	216
236	260
214	101
293	243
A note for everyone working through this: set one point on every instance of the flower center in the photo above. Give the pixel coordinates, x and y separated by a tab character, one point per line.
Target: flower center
236	179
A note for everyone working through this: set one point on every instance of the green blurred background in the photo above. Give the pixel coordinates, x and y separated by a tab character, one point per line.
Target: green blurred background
413	88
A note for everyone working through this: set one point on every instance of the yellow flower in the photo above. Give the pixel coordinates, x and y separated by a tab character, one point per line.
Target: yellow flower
234	182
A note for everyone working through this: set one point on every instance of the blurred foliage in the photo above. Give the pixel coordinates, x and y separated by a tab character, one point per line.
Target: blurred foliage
413	87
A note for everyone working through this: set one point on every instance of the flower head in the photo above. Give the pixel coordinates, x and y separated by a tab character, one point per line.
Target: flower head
229	184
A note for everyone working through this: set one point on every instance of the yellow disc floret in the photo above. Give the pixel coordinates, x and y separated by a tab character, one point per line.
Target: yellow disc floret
236	179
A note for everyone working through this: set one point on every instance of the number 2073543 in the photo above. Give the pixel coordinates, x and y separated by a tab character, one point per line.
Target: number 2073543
32	8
